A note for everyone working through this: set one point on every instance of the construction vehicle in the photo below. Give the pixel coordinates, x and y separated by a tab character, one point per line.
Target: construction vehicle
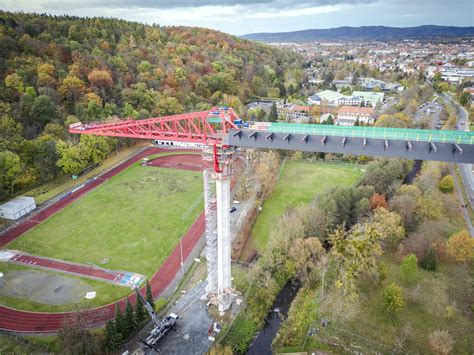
160	327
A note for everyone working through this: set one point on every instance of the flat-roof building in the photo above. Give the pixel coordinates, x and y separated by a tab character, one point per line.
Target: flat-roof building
17	207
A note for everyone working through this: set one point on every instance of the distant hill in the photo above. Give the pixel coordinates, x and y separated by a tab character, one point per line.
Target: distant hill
364	33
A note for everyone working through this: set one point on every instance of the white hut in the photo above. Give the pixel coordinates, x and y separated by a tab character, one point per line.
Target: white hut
17	207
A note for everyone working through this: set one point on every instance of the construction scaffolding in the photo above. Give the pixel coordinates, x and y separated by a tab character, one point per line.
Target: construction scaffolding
210	208
218	240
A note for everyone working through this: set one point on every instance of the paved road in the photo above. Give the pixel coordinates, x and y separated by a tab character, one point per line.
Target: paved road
464	169
467	218
190	333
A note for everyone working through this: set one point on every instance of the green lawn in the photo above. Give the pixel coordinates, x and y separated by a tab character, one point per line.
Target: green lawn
132	221
299	183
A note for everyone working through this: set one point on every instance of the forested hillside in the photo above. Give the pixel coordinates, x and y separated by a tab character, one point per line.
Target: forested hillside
58	70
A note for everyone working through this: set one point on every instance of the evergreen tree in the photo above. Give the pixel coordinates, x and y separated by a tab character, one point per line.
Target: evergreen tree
273	116
429	261
330	120
129	324
119	321
140	312
113	338
149	296
357	123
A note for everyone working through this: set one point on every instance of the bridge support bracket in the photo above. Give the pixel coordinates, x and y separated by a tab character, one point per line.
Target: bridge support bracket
456	147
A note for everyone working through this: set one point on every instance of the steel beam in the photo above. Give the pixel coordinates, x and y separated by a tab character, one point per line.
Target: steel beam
398	148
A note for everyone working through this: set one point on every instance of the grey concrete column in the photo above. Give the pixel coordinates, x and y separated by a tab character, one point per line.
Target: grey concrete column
223	235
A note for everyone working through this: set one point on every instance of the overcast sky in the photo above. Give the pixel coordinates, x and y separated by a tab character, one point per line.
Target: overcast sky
245	16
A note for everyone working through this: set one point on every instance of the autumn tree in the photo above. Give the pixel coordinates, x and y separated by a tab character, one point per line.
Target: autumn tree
15	82
446	184
355	252
377	201
10	169
101	80
406	203
72	88
305	254
389	225
460	247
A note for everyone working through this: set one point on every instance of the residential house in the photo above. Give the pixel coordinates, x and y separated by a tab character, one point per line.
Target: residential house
348	115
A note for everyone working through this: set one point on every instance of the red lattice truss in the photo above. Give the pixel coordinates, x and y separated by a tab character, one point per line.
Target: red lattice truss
205	127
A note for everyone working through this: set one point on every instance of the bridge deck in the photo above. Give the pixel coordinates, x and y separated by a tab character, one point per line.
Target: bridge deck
407	134
448	146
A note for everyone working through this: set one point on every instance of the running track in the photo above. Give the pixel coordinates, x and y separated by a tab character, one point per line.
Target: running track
36	322
122	278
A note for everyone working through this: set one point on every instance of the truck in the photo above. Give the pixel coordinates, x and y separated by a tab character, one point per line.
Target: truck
160	327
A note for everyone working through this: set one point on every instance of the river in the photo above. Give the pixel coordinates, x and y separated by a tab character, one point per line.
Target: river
262	344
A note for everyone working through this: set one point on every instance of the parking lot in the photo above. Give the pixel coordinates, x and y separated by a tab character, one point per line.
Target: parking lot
429	110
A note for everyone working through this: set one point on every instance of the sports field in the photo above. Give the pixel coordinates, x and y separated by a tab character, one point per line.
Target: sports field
130	222
299	183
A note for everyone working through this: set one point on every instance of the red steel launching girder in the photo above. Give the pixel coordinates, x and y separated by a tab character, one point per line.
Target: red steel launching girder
205	127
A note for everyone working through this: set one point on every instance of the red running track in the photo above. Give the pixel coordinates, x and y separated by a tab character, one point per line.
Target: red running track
37	322
67	267
192	162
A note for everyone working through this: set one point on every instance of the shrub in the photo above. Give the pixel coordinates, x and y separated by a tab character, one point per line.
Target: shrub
446	184
440	342
383	271
429	261
241	334
393	298
460	247
409	268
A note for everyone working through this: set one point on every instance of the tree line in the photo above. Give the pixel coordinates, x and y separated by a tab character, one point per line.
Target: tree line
58	70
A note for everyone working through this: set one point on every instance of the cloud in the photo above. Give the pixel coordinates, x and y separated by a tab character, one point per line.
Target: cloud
271	5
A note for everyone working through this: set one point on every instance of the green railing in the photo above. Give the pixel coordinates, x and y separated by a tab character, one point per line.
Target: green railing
416	135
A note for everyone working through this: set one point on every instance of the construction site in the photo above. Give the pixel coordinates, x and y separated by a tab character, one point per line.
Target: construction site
218	145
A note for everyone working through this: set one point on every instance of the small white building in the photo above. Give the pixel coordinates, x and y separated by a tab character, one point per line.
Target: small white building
17	207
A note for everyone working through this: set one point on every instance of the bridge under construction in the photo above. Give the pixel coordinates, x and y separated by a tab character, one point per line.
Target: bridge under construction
220	131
